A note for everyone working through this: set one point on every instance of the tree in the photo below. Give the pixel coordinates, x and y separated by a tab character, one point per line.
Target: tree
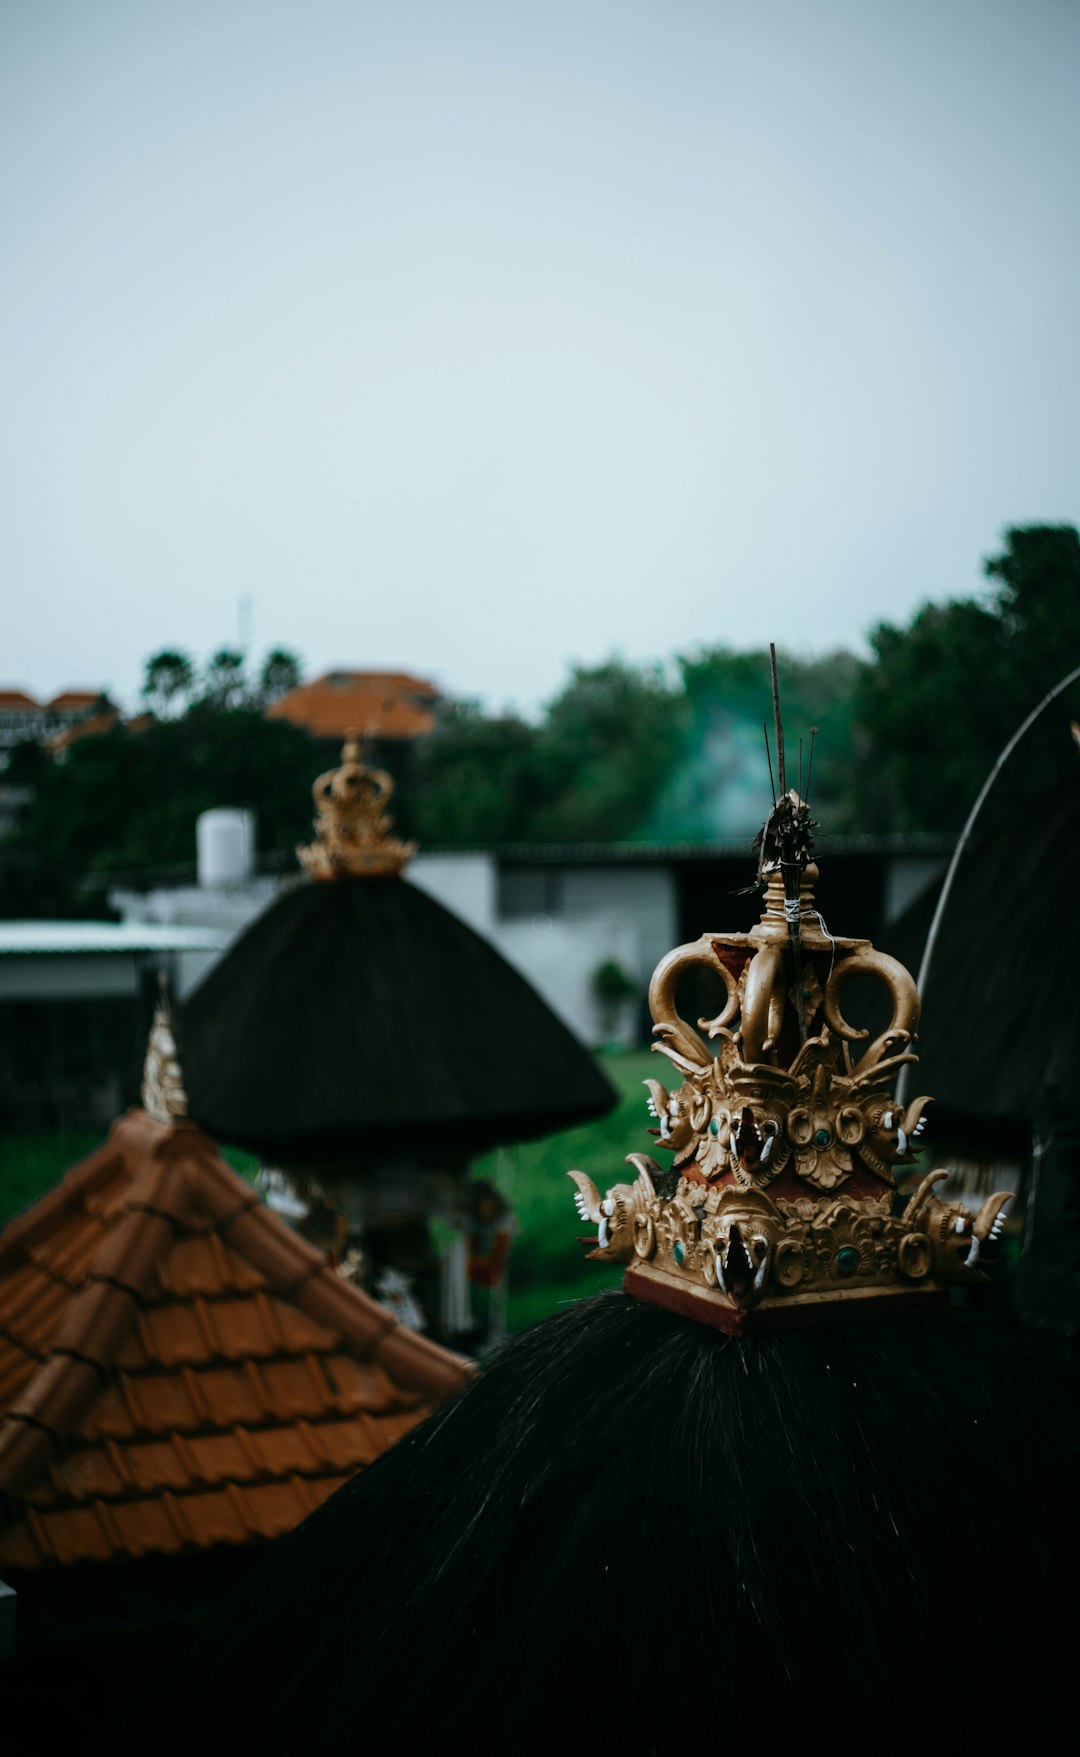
281	671
225	683
719	788
128	800
607	745
168	682
474	781
1038	600
945	693
612	989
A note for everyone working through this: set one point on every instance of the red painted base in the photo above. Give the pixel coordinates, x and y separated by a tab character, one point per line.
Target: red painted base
712	1307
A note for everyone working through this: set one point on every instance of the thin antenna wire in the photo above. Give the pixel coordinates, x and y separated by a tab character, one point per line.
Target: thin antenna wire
780	768
768	753
810	765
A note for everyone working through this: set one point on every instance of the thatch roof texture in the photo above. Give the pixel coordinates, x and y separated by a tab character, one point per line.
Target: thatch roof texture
1001	1008
359	1020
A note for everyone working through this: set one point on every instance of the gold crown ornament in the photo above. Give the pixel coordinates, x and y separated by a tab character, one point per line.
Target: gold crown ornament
779	1206
352	825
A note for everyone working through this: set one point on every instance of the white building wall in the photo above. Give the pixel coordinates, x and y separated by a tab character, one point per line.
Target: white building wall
226	908
559	957
640	895
623	914
463	883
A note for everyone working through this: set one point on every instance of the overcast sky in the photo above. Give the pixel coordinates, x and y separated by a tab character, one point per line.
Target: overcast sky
478	338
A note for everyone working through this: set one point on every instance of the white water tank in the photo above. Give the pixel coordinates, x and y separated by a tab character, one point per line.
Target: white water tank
225	844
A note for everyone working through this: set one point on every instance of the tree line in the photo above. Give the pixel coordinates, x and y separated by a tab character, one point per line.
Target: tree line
667	752
173	683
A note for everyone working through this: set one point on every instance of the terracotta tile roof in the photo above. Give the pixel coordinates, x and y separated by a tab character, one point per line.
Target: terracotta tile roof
71	699
177	1368
18	698
94	727
387	704
91	728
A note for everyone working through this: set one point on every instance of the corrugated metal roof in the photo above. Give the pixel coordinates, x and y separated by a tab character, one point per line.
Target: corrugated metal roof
23	938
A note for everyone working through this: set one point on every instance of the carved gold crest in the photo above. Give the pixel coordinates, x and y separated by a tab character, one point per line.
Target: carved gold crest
780	1197
352	824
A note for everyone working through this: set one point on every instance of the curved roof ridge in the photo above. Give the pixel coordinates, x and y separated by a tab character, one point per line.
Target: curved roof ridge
34	1222
299	1272
146	1190
98	1315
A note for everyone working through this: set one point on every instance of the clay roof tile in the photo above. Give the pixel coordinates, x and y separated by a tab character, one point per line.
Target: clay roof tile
206	1265
17	1368
177	1369
31	1302
46	1217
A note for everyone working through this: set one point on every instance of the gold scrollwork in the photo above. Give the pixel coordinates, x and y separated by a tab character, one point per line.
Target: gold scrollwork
678	1039
900	983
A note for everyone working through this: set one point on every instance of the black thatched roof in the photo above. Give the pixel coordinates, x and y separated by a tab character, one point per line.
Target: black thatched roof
1001	1012
357	1018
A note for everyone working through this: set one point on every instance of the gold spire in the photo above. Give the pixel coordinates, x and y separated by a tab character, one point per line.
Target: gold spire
163	1094
352	825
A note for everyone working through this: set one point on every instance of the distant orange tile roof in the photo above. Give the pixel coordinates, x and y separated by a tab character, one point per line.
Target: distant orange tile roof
177	1368
18	698
74	698
386	704
91	728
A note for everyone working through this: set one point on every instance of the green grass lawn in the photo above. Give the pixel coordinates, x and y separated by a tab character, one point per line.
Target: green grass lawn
547	1265
31	1164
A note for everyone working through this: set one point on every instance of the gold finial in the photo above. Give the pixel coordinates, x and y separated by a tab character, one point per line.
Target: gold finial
163	1094
780	1205
352	825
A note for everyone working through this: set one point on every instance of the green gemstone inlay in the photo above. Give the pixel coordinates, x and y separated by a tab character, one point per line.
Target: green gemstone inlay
823	1137
714	1127
678	1251
847	1260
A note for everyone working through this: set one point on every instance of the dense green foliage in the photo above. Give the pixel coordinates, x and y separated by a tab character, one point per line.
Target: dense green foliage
944	694
716	788
622	752
547	1264
128	800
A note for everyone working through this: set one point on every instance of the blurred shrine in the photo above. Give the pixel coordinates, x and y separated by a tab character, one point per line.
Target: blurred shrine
367	1045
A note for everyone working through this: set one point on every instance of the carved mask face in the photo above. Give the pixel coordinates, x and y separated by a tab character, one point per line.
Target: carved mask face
674	1112
740	1239
616	1231
963	1242
892	1134
755	1140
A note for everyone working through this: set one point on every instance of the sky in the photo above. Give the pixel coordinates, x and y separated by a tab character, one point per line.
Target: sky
481	339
